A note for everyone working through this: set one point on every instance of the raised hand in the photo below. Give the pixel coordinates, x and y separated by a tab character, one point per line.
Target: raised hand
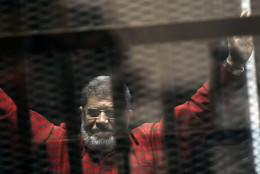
240	48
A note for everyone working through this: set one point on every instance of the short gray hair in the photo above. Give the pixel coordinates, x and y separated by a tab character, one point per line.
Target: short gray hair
101	86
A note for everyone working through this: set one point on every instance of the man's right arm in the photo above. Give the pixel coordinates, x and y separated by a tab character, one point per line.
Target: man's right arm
8	119
8	109
40	126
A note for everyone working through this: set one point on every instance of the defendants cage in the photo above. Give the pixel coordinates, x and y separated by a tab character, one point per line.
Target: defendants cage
162	50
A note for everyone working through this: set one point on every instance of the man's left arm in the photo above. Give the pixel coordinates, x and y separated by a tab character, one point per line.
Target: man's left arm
240	49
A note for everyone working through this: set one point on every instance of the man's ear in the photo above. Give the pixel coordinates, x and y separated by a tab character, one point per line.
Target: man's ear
129	114
81	111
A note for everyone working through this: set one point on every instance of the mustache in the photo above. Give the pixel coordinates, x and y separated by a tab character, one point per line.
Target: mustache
101	128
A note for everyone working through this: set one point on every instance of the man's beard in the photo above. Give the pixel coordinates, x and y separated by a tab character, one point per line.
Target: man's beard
103	145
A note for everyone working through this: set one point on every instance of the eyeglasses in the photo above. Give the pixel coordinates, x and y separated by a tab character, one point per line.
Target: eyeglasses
95	112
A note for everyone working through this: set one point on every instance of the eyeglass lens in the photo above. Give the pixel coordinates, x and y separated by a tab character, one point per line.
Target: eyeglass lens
95	112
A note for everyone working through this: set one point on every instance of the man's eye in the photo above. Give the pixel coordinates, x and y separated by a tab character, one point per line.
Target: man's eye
109	113
94	112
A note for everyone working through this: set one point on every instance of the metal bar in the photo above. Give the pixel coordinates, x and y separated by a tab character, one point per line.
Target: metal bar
160	31
220	93
17	156
182	31
228	124
255	6
69	116
257	64
170	127
170	138
138	35
25	155
17	85
119	102
168	92
253	110
203	153
202	156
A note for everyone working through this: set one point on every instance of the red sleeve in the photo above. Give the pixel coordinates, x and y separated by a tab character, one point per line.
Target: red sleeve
191	131
196	107
41	127
7	108
192	118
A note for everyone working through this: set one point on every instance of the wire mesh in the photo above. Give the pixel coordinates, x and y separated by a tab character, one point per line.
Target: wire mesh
27	15
223	145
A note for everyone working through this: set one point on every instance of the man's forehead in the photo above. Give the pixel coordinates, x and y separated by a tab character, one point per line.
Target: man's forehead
95	100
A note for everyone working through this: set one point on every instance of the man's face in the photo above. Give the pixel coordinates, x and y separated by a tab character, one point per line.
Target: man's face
97	124
99	116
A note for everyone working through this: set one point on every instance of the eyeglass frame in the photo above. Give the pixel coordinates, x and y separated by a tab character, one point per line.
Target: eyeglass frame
102	110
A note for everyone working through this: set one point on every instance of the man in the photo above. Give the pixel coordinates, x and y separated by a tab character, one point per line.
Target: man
146	140
98	141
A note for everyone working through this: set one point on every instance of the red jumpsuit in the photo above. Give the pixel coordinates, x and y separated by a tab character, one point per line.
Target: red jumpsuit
146	140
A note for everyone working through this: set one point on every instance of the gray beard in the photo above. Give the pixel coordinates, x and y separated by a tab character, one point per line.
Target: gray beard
101	145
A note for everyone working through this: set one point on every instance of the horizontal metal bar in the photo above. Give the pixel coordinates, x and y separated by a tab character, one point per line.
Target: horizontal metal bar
190	31
161	32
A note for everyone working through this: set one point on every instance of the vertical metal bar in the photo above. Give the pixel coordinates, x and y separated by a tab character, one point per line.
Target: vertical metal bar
22	160
24	157
170	133
200	160
216	98
254	111
257	64
221	137
255	8
24	125
118	90
225	135
70	116
253	95
171	147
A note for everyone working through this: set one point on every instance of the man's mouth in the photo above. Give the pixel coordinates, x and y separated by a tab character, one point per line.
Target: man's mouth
103	134
97	131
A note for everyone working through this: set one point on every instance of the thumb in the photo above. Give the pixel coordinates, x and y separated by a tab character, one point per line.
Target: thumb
244	14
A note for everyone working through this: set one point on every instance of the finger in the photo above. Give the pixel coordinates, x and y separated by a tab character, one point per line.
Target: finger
244	14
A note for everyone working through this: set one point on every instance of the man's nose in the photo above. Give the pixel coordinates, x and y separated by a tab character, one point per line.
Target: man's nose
102	118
